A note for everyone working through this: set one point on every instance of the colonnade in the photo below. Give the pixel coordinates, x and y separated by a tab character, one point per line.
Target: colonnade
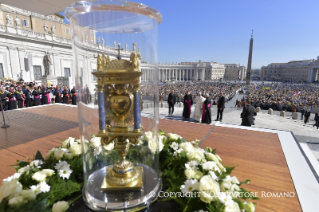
181	74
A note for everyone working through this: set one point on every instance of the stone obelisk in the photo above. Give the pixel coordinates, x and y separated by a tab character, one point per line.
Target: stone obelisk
250	57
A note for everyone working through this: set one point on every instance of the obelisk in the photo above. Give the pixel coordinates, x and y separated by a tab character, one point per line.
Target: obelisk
250	56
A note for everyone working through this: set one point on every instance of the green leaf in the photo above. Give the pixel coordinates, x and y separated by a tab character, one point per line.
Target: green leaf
245	182
38	156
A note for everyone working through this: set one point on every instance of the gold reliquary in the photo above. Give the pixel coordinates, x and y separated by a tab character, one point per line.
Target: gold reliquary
118	85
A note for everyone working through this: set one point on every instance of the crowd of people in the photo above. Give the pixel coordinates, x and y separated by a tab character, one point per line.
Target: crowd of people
20	94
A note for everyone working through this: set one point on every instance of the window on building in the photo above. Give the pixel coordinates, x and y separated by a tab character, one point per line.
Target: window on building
37	72
67	72
1	71
25	23
67	30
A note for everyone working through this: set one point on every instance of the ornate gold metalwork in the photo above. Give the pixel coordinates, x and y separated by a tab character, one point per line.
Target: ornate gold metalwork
117	81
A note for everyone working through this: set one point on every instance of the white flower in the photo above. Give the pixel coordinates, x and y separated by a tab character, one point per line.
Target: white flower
75	149
148	136
13	177
234	180
249	207
190	173
213	175
60	206
49	154
209	189
58	154
187	147
24	169
10	188
152	145
61	165
189	186
68	155
191	165
173	136
162	138
16	200
41	175
196	154
210	165
37	163
174	145
218	157
42	187
65	173
225	199
97	151
232	208
95	142
28	194
109	147
211	157
160	144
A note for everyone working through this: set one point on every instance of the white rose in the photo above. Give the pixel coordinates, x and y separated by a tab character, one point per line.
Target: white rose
60	206
249	207
152	145
85	147
24	169
148	136
173	136
209	189
189	173
162	138
10	188
49	154
95	142
196	154
40	176
225	186
198	175
160	145
58	154
187	147
232	208
17	200
66	142
210	165
109	147
28	194
75	149
68	155
211	157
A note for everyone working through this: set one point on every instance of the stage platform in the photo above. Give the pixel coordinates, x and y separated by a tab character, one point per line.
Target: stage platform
273	160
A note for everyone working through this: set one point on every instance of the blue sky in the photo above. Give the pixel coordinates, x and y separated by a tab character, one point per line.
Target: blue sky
219	30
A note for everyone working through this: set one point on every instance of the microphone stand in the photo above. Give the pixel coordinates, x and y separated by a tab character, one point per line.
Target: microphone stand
4	120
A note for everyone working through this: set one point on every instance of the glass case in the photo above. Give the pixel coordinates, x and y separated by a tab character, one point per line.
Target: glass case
115	61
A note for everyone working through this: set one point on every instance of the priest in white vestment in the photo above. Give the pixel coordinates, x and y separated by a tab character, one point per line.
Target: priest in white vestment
197	115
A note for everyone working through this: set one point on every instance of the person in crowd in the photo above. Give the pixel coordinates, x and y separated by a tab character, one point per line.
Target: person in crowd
302	112
307	116
28	97
247	114
198	112
220	107
316	120
188	102
171	102
4	99
36	96
207	114
65	96
73	92
12	99
45	95
57	95
20	98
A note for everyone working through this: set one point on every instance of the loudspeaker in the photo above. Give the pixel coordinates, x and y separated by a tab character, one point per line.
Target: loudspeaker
26	64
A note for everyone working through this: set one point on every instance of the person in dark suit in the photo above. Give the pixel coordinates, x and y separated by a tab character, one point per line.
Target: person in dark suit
220	107
307	116
316	120
171	102
207	114
73	92
65	93
57	95
248	114
4	99
28	99
188	102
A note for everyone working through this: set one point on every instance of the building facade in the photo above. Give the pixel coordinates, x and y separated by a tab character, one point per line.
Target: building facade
235	72
293	71
26	38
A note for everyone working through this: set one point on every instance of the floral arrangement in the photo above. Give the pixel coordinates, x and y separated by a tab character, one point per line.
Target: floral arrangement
198	179
41	184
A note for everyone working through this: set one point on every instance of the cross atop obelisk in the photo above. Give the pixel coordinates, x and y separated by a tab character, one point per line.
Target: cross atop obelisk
250	57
